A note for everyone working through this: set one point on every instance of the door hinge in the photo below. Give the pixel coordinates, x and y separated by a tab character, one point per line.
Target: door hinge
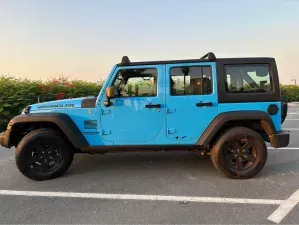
106	132
168	110
105	111
171	130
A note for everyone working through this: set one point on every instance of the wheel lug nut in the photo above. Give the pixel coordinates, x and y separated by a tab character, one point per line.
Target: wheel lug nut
235	155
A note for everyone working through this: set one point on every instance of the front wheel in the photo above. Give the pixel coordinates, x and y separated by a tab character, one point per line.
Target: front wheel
240	153
43	154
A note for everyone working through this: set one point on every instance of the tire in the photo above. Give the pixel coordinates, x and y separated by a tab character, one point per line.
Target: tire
43	154
240	153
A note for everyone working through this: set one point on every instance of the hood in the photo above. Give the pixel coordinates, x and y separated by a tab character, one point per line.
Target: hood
86	102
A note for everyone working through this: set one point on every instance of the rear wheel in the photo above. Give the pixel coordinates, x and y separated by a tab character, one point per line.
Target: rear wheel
43	154
240	153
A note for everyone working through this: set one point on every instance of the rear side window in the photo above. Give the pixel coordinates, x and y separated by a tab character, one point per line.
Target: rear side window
191	80
248	78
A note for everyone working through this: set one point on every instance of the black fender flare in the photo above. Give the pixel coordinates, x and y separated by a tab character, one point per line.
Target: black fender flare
63	121
284	106
221	119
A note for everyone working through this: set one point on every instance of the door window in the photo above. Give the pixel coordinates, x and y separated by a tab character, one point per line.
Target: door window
136	83
193	80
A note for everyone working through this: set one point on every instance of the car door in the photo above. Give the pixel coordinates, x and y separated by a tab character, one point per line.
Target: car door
191	98
136	114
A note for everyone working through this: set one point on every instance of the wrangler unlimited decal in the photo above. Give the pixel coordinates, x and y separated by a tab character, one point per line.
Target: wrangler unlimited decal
56	106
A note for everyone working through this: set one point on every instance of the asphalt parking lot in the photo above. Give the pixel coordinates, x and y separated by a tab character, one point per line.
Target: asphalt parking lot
195	192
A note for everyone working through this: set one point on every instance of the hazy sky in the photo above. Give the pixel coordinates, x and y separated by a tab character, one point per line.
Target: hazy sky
83	39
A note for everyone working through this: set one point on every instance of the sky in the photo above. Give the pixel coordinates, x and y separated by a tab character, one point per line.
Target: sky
83	39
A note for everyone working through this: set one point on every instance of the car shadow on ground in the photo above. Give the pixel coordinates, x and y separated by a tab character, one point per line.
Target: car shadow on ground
142	162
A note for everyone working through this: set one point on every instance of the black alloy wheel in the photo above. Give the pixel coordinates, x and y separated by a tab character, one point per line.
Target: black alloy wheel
43	154
239	153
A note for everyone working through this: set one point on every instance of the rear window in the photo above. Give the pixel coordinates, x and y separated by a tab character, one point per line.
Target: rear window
248	78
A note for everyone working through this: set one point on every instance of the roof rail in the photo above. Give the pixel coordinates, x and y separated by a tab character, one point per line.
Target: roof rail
210	56
126	61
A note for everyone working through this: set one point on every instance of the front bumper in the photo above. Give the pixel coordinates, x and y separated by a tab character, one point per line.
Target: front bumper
280	139
4	139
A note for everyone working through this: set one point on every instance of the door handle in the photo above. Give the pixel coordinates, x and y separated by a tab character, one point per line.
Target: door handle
202	104
153	106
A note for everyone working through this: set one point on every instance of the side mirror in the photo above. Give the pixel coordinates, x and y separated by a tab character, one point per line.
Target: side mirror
110	92
109	95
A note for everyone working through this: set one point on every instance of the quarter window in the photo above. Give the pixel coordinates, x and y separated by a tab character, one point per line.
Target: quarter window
136	83
248	78
194	80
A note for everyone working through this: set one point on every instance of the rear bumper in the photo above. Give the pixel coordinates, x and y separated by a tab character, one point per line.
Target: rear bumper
4	139
280	139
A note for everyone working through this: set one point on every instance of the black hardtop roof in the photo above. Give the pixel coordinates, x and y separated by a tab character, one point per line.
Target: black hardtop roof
209	57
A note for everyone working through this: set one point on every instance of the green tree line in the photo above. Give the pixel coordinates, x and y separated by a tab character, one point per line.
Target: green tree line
15	94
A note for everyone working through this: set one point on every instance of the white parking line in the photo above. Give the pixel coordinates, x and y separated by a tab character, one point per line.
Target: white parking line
293	113
285	205
291	128
285	208
286	148
141	197
291	119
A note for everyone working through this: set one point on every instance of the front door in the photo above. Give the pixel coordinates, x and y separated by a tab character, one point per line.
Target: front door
136	114
191	99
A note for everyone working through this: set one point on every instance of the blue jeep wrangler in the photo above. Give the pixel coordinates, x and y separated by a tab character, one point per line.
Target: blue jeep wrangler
226	107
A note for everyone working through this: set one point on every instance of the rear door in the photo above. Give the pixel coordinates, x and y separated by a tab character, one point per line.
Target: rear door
191	99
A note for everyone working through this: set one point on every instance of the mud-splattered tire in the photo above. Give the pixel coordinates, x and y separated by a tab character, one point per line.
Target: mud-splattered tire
240	153
43	154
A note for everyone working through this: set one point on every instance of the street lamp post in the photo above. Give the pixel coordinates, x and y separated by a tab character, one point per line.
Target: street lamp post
294	80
